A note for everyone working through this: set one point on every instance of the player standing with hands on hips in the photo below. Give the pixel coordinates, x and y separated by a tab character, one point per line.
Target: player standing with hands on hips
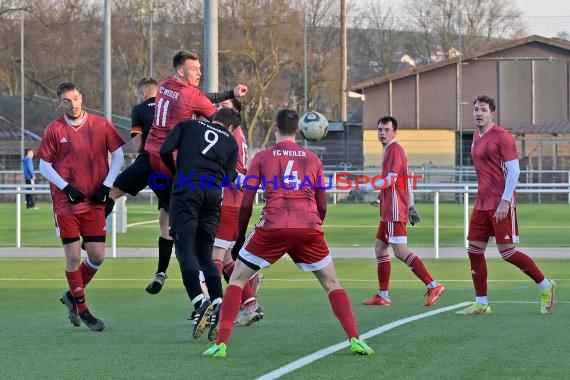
496	161
74	157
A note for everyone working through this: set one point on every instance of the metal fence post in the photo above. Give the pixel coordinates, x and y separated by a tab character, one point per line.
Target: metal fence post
18	217
466	215
436	223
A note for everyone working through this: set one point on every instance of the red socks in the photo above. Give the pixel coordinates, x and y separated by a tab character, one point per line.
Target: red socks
342	309
418	268
383	270
230	309
478	270
87	273
524	263
77	290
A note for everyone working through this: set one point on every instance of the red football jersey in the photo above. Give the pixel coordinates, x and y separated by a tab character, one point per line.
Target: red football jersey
489	152
289	174
395	200
80	156
175	101
233	197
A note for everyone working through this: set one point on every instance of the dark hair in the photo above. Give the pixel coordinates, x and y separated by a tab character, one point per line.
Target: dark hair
237	104
486	99
227	116
146	81
386	120
181	57
287	121
66	86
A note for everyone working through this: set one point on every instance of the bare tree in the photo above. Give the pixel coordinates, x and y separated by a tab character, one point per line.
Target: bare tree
9	7
447	26
256	50
374	41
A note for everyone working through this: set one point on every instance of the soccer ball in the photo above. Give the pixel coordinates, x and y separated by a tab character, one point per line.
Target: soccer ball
314	126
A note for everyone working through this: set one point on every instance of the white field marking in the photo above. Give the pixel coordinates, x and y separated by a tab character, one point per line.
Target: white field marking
293	366
141	223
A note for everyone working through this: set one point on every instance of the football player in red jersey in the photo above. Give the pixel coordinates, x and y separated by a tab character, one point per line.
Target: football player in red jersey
74	158
396	207
291	223
494	217
177	98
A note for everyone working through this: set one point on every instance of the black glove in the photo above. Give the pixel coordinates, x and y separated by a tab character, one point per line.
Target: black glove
237	246
413	216
356	194
101	194
75	196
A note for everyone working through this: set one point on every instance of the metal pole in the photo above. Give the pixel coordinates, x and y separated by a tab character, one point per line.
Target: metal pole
107	94
305	79
22	132
466	215
150	40
459	90
22	78
436	224
344	62
211	45
19	218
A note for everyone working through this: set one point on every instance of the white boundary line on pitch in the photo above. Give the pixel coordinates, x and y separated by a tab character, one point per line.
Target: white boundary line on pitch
275	374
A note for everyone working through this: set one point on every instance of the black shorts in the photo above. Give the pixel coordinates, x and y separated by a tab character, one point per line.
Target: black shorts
135	178
196	211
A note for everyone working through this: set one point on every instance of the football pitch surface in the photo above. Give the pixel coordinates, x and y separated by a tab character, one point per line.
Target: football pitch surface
299	338
346	225
148	336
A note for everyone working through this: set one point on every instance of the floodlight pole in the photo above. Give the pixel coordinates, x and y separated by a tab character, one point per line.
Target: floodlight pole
344	62
211	45
22	132
150	40
22	78
107	104
305	79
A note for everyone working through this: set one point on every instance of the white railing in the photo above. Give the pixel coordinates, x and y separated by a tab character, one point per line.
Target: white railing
435	188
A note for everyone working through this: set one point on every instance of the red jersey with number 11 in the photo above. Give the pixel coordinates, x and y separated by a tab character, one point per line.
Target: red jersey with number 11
175	101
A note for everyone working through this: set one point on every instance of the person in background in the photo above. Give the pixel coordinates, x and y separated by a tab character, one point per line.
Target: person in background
29	177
